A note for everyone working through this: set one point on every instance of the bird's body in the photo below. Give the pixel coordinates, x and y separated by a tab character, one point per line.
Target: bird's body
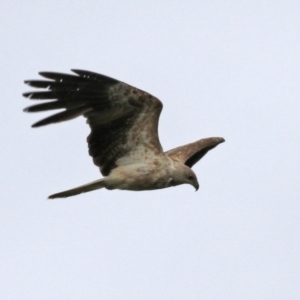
124	139
151	176
138	177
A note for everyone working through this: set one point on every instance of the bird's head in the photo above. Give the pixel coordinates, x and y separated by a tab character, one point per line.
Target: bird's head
182	174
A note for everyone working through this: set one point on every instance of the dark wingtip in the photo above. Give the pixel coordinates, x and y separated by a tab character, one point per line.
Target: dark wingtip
27	94
40	123
83	73
53	196
44	73
56	196
77	71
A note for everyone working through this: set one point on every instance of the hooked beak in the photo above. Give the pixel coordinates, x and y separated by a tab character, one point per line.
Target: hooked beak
196	186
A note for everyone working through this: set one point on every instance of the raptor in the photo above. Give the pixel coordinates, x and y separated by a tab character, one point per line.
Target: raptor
124	140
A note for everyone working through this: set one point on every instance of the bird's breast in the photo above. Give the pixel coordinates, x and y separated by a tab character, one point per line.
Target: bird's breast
138	177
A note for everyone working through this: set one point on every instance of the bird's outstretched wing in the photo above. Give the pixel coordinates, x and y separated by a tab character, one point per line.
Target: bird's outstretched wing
123	119
191	153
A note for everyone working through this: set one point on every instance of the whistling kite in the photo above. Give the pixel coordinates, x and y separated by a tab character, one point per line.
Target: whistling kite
124	140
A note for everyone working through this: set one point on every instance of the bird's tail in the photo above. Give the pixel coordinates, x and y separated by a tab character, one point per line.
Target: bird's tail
98	184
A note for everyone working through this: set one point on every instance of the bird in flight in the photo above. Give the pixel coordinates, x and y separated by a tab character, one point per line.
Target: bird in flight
123	141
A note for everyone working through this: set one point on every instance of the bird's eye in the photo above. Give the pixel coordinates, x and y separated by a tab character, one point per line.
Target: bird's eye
190	178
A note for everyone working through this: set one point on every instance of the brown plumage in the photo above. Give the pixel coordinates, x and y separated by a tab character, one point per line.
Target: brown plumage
124	139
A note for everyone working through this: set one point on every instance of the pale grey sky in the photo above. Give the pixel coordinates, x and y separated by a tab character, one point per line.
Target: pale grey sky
221	68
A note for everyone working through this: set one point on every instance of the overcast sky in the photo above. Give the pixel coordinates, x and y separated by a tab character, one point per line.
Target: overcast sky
221	68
